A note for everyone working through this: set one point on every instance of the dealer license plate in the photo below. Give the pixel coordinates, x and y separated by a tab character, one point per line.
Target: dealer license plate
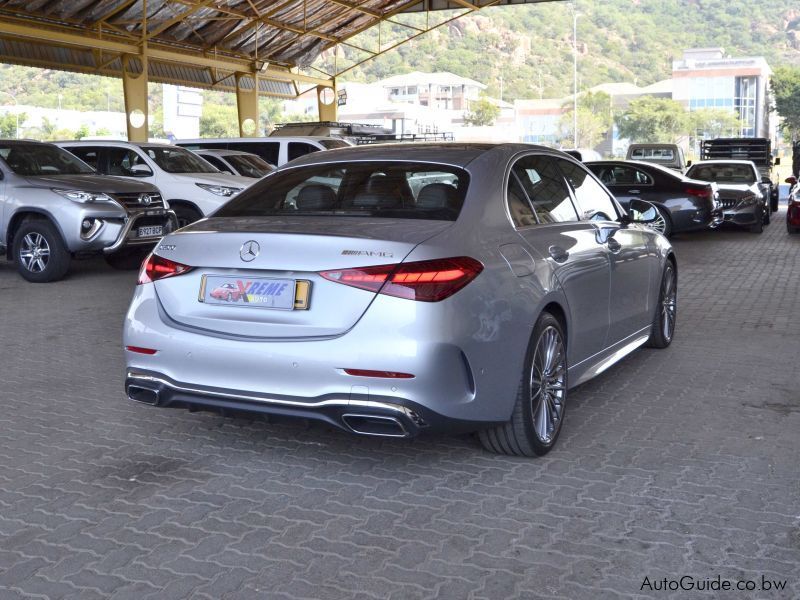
253	292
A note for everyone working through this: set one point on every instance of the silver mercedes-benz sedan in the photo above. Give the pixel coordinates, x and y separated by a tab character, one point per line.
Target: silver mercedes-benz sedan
396	289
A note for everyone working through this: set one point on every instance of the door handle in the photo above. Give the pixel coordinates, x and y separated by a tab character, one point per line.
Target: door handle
558	254
634	191
613	245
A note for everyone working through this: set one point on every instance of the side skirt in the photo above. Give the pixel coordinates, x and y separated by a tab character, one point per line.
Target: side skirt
594	365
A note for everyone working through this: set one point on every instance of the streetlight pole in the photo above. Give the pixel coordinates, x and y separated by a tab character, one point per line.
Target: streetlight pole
575	16
16	113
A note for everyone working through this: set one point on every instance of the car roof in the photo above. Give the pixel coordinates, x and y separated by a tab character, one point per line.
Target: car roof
458	154
253	140
657	145
223	152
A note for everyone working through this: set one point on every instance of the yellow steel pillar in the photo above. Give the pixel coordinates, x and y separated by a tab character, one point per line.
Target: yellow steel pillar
134	84
247	104
326	102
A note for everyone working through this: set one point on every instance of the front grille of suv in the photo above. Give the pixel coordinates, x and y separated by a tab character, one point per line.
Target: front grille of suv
130	202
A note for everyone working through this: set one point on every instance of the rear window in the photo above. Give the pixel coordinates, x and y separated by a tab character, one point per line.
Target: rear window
723	173
395	190
655	154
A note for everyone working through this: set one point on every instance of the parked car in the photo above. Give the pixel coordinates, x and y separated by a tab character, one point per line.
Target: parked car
757	150
683	204
54	207
584	154
235	162
741	196
274	150
192	187
793	212
666	155
469	305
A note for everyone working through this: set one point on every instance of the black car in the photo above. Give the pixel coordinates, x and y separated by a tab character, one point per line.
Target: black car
683	204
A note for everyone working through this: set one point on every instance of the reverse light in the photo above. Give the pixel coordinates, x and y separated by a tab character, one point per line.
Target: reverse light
424	280
381	374
140	350
219	190
157	267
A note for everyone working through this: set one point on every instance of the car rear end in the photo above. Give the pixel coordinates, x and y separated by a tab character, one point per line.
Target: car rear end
343	314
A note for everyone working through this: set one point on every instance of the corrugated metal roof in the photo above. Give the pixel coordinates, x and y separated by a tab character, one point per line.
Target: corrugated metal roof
280	33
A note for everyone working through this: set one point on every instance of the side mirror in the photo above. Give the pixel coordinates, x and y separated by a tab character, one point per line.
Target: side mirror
791	180
766	180
642	211
688	163
140	171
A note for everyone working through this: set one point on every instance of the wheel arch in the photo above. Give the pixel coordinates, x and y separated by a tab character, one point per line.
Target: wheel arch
22	215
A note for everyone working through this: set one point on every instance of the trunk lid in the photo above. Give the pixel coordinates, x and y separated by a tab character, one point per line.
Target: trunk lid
289	249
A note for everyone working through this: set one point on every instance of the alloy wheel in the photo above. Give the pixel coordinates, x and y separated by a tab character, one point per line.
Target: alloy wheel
34	252
548	384
659	224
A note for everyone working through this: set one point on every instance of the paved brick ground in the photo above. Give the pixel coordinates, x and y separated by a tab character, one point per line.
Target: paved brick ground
676	462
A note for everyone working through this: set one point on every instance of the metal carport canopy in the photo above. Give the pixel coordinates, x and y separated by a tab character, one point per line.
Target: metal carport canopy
248	46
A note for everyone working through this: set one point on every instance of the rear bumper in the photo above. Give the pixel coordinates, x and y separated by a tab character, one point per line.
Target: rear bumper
363	414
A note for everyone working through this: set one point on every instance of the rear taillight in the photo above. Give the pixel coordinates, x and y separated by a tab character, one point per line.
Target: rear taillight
424	280
698	191
157	267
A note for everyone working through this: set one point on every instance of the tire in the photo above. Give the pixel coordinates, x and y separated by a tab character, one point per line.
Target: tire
530	432
39	252
664	223
662	329
186	215
767	214
790	229
774	200
229	297
758	226
127	259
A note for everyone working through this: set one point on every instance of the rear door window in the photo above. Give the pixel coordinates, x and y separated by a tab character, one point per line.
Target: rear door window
88	154
396	190
545	188
298	149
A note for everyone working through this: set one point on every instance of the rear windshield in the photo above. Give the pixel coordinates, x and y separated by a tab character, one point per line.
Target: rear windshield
42	159
655	154
395	190
723	173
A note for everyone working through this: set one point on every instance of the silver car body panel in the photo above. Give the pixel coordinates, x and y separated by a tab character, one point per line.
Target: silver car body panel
466	352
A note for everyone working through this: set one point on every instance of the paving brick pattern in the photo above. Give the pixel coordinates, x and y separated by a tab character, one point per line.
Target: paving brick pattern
676	462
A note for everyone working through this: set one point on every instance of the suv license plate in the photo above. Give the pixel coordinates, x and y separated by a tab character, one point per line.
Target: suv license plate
151	231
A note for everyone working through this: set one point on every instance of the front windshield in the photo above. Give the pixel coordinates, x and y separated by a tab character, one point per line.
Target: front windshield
31	160
723	173
250	166
178	160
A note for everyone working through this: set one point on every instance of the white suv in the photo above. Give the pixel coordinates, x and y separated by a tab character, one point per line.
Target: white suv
275	150
193	187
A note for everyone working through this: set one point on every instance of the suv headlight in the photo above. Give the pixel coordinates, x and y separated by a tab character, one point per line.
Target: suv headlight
219	190
83	197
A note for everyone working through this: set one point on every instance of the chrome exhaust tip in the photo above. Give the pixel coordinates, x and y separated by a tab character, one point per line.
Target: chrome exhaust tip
375	425
142	394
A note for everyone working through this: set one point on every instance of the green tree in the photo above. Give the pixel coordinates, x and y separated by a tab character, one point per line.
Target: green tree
786	89
219	121
595	119
8	124
652	120
714	123
482	112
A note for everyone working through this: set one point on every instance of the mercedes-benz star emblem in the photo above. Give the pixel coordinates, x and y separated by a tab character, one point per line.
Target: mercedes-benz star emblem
249	251
145	199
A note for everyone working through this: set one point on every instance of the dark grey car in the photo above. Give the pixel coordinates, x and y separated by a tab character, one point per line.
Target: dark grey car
684	204
743	198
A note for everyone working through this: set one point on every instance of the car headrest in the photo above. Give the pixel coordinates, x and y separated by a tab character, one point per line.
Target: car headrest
316	197
376	200
437	195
